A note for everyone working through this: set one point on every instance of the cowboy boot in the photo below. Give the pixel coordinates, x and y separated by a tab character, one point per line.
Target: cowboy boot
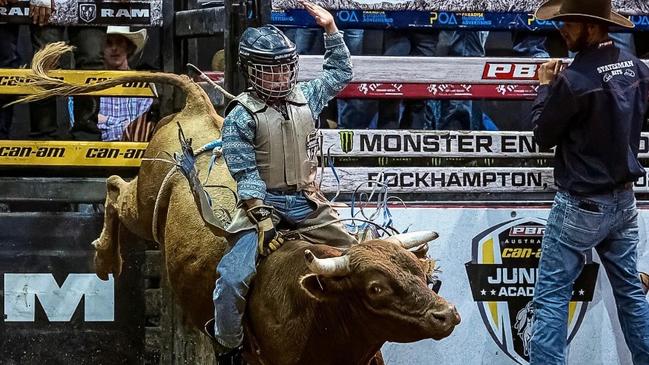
224	355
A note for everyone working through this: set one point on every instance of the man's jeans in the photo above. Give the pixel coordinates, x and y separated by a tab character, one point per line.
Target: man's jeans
574	228
237	268
408	114
462	114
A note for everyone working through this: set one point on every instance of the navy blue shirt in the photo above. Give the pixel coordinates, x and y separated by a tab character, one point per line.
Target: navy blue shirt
593	113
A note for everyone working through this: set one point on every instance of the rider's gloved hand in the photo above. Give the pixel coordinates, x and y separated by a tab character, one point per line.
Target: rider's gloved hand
269	239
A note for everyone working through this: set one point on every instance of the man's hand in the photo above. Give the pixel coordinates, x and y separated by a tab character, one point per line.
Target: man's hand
269	238
321	15
549	71
40	11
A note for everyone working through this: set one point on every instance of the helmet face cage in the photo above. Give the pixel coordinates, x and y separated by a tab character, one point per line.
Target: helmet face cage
273	81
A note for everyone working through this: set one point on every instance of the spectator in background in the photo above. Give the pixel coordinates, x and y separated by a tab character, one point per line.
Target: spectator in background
431	114
527	44
124	118
411	114
88	55
352	113
8	59
462	114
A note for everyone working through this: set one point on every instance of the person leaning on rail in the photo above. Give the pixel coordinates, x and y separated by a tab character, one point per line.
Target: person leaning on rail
124	118
274	175
593	112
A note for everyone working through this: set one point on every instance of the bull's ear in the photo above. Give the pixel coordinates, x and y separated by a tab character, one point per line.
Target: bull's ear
320	287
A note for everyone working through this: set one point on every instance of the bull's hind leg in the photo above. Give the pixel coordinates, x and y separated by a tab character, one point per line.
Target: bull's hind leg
120	195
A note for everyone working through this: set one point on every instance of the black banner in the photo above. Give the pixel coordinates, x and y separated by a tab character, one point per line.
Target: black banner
143	13
55	309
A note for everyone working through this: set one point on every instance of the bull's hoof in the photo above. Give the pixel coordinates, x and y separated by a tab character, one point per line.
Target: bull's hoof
100	268
102	265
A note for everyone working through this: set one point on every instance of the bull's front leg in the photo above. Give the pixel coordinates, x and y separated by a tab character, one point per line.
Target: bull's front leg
107	256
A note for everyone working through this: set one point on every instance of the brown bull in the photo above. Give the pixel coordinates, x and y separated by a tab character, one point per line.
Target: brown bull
301	310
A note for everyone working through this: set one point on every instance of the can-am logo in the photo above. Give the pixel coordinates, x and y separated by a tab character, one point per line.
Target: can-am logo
502	273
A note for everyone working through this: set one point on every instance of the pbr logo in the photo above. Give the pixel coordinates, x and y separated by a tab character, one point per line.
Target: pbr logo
87	12
346	141
502	273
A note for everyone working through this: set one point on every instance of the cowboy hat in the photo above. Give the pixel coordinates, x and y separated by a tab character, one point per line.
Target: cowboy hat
597	10
137	38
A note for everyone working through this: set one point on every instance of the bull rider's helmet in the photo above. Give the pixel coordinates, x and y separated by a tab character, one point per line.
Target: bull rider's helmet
268	59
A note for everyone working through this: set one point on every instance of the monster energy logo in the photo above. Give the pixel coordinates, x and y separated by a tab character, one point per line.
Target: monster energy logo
346	141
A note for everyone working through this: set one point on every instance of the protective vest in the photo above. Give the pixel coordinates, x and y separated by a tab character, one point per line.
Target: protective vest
285	149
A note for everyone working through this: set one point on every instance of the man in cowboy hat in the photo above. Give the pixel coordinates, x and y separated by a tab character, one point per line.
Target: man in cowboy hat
117	115
593	112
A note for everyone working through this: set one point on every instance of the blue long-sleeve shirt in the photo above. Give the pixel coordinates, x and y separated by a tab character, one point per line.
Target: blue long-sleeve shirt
593	112
239	128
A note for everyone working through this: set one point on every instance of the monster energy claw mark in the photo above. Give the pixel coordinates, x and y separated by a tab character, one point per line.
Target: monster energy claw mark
346	141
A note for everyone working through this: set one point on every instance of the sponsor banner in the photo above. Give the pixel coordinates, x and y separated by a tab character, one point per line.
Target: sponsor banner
404	143
381	19
440	180
337	143
79	12
440	77
18	82
438	91
62	153
495	249
425	180
467	6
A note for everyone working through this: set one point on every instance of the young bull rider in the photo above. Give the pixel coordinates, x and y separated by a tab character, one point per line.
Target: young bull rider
270	145
593	112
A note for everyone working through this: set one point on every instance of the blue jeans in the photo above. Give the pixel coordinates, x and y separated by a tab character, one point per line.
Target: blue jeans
572	230
237	268
527	44
462	114
624	41
408	114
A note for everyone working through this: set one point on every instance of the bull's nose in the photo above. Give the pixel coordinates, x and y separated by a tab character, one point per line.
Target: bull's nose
448	315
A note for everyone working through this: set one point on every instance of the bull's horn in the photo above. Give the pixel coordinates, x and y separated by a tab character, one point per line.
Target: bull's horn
412	239
332	266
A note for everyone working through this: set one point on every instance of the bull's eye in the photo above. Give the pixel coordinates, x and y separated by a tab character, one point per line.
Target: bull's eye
375	290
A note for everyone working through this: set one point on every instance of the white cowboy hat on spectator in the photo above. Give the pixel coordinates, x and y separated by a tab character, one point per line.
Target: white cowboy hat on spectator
138	38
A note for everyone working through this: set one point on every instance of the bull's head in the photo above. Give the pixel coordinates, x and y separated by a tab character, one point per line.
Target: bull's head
386	286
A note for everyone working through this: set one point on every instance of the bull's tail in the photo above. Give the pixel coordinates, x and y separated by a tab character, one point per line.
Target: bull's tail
48	57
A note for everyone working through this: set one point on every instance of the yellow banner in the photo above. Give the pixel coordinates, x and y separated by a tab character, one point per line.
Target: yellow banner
17	81
71	153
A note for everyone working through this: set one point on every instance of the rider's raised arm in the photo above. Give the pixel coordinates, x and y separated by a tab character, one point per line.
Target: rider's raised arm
337	66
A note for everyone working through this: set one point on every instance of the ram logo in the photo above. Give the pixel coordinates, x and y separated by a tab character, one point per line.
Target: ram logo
87	12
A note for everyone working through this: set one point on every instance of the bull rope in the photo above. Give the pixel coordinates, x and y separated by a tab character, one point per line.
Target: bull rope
156	206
